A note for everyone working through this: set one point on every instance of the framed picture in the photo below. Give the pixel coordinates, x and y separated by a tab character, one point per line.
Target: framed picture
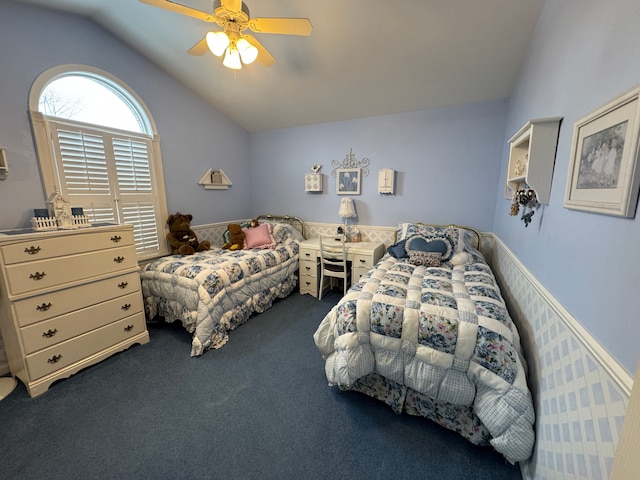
348	181
603	173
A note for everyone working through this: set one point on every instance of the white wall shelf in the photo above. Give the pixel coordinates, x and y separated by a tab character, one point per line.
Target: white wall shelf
215	180
532	155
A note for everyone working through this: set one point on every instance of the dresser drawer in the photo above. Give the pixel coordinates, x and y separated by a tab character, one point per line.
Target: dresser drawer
33	276
42	248
308	267
308	254
49	305
309	285
66	353
358	273
362	261
50	332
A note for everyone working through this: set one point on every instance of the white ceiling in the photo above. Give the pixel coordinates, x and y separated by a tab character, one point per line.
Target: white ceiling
363	57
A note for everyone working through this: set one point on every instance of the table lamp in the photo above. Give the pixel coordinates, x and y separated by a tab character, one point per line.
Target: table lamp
347	210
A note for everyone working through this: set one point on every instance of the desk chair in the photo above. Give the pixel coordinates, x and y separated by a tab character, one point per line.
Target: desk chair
333	262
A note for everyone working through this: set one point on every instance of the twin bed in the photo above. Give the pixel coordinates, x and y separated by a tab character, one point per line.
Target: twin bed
426	330
215	291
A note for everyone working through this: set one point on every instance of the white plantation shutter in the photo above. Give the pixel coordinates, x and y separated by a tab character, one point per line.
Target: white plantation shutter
109	173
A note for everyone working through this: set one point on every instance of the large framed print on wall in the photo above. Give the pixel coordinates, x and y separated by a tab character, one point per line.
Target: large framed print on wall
603	171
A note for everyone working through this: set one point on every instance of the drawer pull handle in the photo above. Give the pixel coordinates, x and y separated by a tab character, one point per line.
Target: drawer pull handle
37	276
308	283
50	333
116	238
44	307
123	285
32	250
54	359
363	261
126	306
118	259
128	328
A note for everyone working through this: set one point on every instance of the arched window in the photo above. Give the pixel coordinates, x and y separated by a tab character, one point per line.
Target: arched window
97	145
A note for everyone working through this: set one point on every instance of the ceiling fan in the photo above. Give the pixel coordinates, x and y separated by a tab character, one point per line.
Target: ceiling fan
233	17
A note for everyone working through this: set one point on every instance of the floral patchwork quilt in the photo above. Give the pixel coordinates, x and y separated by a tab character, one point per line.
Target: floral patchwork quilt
213	292
442	333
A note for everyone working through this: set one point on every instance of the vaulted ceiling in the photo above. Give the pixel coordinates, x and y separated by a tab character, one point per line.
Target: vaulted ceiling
363	57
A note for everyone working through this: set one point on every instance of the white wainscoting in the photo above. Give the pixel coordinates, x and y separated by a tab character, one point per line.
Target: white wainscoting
580	392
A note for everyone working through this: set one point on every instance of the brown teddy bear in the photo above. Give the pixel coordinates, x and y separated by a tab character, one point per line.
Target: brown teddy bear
181	238
236	237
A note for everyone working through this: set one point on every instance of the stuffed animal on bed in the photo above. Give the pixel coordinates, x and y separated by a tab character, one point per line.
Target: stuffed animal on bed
236	237
182	240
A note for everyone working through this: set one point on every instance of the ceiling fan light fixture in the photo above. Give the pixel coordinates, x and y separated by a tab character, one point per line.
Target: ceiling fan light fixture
217	42
232	58
248	53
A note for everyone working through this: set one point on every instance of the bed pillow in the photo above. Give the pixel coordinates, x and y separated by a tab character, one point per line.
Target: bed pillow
442	245
457	237
398	250
427	259
258	237
283	233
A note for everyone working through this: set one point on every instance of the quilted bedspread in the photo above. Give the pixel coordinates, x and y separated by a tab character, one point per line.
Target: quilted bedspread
441	331
214	291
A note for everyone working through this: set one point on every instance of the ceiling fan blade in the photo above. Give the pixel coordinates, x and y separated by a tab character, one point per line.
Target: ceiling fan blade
182	9
264	57
199	48
284	26
231	5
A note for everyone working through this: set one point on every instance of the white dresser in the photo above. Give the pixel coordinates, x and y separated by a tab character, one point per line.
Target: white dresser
361	255
69	299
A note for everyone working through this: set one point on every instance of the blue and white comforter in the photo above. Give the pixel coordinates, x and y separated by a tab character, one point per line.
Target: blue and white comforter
213	292
441	331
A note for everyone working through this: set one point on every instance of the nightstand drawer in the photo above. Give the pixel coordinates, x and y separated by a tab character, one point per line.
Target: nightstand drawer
50	332
49	305
43	248
66	353
33	276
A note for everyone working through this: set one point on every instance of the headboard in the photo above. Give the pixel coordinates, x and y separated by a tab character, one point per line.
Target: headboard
451	225
295	221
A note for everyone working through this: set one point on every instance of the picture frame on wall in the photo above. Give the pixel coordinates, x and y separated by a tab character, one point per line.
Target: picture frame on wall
348	181
603	170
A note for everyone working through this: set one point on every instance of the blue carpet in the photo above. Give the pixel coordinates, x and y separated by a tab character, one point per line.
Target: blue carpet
258	408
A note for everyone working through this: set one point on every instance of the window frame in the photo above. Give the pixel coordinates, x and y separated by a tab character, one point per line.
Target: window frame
45	149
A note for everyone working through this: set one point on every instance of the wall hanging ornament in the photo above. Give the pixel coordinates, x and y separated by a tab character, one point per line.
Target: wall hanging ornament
348	174
525	198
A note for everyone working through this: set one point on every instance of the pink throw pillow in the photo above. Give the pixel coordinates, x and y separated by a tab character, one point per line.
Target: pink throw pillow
258	237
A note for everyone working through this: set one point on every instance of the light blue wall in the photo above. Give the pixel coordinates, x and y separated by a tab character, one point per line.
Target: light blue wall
447	162
193	135
451	162
584	53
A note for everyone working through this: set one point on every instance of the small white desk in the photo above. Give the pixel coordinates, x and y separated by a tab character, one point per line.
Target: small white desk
362	255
